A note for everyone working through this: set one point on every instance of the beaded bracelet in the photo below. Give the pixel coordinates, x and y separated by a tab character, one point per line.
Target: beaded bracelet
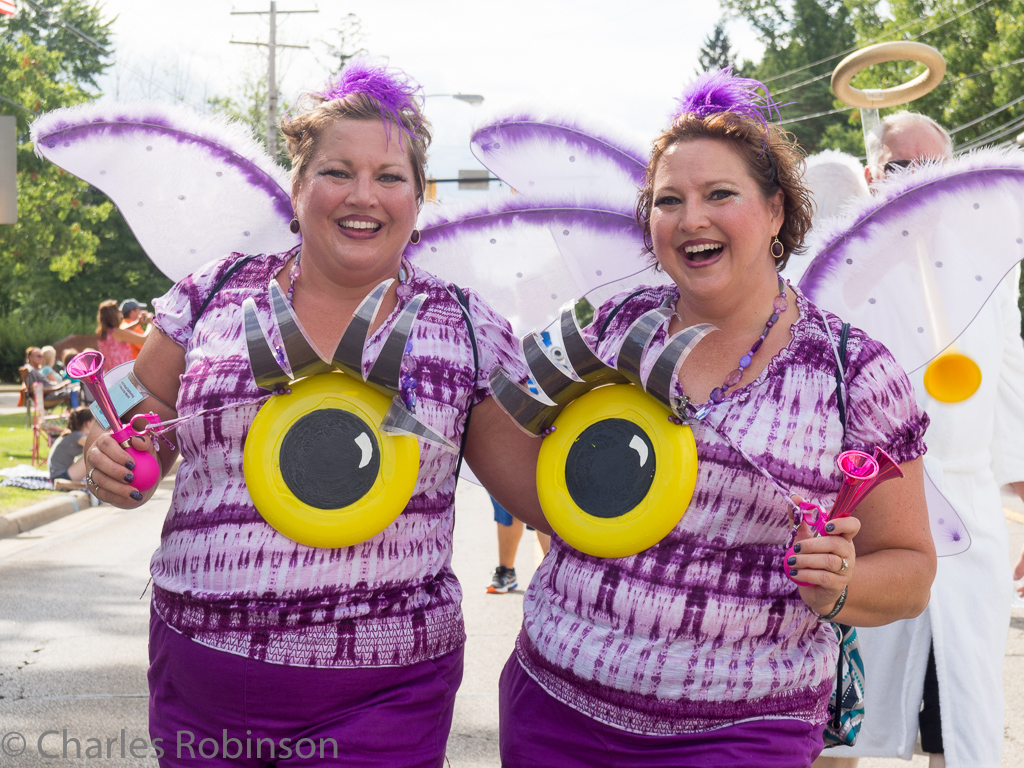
835	611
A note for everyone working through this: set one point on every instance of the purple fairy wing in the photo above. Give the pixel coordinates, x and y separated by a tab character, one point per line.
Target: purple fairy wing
948	530
557	157
192	188
914	265
529	257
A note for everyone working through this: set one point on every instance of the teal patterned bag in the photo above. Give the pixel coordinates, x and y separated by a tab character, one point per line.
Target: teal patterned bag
846	707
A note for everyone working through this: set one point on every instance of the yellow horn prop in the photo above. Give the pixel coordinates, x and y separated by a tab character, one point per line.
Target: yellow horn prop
952	377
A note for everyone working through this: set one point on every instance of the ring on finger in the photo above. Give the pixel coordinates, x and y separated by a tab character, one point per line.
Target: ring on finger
89	480
845	566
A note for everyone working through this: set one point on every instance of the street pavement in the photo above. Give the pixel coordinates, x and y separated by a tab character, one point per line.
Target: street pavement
73	626
73	629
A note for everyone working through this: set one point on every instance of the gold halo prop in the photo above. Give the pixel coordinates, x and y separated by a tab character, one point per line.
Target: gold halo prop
901	50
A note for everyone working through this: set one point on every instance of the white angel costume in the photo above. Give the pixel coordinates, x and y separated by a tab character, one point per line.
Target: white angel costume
973	448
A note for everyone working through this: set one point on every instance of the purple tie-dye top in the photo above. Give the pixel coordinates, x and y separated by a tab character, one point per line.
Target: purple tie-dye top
704	629
225	578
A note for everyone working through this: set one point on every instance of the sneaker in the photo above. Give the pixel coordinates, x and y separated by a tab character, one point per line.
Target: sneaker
503	580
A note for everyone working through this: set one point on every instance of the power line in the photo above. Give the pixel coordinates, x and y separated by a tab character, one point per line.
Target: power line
869	42
72	29
1016	126
19	106
986	116
108	53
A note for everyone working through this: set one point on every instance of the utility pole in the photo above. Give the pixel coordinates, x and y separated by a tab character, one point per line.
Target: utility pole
272	45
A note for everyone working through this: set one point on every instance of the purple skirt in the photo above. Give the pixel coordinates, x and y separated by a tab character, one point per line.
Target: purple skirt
538	731
211	708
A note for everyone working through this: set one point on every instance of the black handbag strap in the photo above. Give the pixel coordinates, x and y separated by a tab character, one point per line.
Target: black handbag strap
614	312
464	304
844	336
842	630
228	274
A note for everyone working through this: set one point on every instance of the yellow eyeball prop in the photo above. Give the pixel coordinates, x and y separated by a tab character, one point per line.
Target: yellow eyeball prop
616	476
318	468
952	377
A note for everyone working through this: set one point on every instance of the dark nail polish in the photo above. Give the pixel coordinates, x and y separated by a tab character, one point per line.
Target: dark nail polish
793	571
830	527
796	547
129	477
136	495
791	561
129	464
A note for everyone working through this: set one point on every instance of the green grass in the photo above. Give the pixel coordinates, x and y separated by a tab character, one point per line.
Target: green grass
16	448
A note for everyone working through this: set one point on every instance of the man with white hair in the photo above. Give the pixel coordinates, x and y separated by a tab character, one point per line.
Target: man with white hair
901	140
942	672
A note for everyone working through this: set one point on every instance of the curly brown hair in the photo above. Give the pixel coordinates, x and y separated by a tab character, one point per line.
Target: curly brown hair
303	132
772	158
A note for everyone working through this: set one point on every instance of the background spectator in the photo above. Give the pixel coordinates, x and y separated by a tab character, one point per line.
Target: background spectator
135	320
114	342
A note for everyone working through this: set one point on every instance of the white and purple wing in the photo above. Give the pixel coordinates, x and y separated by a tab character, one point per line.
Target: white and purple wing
529	257
557	157
192	188
913	266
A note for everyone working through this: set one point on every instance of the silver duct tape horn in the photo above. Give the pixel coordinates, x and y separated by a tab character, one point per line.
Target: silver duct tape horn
588	371
302	359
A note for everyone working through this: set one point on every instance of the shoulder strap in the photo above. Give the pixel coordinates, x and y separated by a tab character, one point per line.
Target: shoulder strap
840	375
464	304
615	311
228	274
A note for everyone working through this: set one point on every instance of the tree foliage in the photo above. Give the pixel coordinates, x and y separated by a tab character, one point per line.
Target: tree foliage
982	42
716	52
69	249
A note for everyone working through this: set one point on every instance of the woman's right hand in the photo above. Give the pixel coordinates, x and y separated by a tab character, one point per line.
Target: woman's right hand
110	469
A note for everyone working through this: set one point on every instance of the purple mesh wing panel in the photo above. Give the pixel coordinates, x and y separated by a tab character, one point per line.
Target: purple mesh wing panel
192	188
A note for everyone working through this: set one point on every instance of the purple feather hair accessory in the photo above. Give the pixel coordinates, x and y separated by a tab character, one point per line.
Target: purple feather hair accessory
391	88
720	91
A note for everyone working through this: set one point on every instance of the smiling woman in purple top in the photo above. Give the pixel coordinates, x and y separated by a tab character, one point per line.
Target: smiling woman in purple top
358	649
700	650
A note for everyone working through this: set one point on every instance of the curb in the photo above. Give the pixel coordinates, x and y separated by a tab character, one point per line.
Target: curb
27	518
43	512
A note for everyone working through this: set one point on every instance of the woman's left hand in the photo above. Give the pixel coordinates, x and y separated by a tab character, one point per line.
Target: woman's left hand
825	563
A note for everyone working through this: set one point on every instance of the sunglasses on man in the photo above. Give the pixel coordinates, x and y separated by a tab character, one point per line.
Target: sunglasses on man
894	166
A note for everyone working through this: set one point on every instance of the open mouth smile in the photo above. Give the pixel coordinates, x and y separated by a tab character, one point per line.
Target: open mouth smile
703	252
366	226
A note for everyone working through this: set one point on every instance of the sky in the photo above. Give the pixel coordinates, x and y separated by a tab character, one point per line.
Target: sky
613	64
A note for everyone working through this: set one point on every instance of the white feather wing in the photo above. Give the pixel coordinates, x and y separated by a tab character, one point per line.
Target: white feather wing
913	266
191	188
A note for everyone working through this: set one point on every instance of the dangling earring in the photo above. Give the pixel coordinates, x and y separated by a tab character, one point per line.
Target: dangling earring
414	238
777	248
293	225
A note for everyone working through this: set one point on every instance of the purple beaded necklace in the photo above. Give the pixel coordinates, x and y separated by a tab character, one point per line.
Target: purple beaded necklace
779	305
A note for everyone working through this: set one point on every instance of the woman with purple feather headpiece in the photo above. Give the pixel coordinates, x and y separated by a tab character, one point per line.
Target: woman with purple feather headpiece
261	641
714	646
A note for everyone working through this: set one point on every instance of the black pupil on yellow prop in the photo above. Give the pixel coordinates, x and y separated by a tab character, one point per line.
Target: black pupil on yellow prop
329	458
610	468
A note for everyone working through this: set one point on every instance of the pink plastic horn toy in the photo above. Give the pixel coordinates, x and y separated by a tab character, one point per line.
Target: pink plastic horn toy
87	367
861	475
